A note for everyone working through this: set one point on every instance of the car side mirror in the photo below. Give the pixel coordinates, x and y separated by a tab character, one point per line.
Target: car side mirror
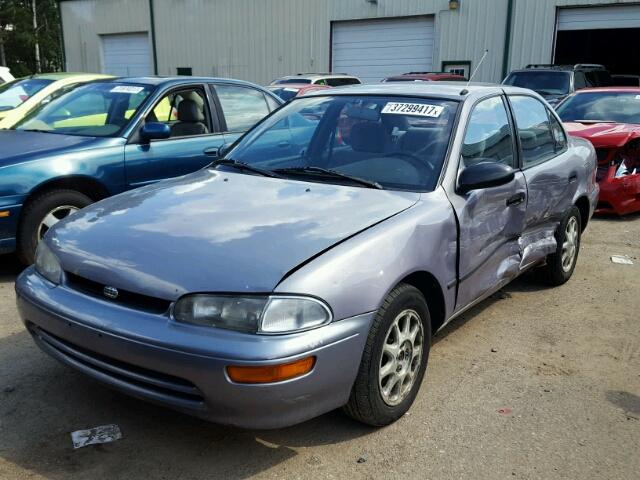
485	174
155	131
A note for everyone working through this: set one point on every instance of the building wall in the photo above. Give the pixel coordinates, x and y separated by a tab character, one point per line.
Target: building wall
259	40
83	21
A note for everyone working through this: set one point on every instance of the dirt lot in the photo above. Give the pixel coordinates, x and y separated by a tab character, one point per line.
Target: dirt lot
534	383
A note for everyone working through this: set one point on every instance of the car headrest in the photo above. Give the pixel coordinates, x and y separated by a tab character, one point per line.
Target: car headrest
189	111
528	139
418	138
368	137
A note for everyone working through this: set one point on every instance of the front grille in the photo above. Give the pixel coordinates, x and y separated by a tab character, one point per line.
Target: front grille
155	384
125	297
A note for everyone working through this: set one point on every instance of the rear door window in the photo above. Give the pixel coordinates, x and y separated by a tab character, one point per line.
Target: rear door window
242	107
534	130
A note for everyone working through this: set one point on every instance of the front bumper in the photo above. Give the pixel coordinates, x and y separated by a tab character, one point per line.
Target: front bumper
183	367
8	226
619	195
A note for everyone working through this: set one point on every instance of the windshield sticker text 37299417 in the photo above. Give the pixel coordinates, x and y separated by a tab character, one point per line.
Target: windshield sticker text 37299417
421	109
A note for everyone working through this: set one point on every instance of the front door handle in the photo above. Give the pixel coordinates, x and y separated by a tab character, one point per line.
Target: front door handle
212	151
516	199
573	177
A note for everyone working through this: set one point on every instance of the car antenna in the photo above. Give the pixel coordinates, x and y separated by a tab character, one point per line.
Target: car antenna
465	91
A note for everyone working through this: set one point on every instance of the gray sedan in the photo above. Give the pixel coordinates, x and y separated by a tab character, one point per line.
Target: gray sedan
309	268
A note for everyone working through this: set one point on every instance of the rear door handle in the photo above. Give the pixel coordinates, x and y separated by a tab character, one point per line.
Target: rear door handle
516	199
212	151
573	177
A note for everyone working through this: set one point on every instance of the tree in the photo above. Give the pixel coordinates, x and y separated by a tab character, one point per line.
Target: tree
18	38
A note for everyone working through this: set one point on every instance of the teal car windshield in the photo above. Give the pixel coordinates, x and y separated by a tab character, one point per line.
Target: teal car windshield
95	110
396	143
14	94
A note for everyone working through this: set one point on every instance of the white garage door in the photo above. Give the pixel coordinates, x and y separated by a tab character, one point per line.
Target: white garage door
126	55
594	18
375	49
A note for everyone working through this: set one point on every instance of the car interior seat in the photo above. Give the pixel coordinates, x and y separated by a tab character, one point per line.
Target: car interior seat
190	120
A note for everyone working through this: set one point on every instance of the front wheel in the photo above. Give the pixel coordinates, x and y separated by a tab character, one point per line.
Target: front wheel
42	213
561	264
394	359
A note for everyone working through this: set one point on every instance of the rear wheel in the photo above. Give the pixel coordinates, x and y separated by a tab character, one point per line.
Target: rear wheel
561	264
42	213
394	359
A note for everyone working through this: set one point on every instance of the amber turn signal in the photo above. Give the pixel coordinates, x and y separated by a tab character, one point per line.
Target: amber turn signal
4	213
271	373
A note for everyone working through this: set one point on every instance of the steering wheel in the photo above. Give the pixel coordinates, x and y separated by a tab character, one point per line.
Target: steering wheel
414	159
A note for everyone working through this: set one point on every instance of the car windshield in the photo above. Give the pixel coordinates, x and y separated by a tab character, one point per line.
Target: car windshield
15	93
285	93
619	107
396	143
94	110
544	82
284	81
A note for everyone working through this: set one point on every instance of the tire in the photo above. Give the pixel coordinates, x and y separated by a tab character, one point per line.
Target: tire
372	401
559	268
59	204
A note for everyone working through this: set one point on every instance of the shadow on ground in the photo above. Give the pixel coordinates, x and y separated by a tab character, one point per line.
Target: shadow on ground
10	267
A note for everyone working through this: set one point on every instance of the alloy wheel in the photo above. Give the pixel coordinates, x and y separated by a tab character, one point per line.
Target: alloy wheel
570	244
401	357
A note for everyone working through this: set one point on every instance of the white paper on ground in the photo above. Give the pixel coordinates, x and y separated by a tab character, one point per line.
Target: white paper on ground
101	434
621	259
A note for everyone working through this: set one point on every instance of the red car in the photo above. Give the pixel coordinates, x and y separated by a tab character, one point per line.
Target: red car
426	77
610	119
290	91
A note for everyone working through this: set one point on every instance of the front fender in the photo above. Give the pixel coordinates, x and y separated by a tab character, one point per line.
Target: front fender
355	276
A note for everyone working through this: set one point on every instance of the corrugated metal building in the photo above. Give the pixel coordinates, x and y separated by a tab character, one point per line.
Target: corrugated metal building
259	40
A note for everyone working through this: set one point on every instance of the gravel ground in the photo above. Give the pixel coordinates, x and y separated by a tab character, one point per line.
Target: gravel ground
533	383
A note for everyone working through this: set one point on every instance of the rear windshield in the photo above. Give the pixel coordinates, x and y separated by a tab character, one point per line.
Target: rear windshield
285	93
284	81
14	94
619	107
544	82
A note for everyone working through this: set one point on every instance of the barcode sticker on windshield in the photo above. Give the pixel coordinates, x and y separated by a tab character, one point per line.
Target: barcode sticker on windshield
126	89
420	109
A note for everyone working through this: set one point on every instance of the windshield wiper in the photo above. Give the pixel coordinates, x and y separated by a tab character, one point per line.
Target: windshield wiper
39	130
228	162
330	173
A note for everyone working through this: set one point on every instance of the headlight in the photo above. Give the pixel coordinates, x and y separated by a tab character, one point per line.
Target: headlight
47	264
268	315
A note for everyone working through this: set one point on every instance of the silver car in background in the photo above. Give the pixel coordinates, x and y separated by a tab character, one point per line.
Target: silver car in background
309	268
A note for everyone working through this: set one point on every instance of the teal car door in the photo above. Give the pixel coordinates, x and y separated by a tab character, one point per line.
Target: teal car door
194	140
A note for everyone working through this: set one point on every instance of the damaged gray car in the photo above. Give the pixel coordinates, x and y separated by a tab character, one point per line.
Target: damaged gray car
309	267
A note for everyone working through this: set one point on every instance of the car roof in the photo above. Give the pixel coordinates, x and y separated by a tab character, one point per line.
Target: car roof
446	90
609	89
297	85
169	80
318	75
426	75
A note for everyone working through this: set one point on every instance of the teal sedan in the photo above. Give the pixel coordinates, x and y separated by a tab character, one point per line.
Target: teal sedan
110	136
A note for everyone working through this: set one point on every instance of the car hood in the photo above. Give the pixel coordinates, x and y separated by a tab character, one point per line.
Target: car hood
604	135
214	231
17	146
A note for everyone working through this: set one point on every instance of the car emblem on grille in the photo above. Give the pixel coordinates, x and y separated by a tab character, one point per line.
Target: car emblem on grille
110	292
